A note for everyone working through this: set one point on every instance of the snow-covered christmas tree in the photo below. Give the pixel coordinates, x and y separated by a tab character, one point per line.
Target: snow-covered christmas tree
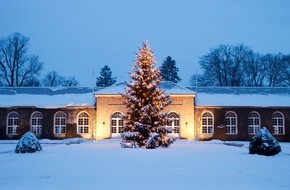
145	125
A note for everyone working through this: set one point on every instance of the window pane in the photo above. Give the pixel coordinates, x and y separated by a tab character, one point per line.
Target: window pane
121	129
63	121
210	121
121	122
176	129
86	129
86	121
204	121
62	129
10	122
204	129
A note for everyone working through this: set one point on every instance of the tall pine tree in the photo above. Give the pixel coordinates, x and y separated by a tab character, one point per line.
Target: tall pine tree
105	79
145	125
169	71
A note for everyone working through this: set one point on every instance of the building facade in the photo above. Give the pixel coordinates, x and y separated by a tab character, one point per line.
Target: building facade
203	113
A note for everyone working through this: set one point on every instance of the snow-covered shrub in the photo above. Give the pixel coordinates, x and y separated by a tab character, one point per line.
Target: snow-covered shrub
264	143
28	144
74	141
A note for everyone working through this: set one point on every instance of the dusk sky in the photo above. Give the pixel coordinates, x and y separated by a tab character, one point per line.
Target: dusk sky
76	37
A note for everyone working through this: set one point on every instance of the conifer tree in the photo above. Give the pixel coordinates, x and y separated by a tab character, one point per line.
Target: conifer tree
145	125
105	79
169	71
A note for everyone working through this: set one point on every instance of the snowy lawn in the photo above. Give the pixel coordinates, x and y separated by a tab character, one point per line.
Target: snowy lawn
104	165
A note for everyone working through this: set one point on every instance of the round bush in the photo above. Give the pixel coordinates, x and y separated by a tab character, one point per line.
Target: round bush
28	144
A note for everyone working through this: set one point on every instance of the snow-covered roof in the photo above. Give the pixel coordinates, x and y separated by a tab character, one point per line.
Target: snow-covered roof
168	87
205	96
242	96
46	97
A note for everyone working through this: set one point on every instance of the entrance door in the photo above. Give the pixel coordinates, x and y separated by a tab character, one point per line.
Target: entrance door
117	125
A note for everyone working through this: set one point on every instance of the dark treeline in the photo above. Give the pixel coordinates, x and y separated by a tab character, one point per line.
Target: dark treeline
239	65
225	65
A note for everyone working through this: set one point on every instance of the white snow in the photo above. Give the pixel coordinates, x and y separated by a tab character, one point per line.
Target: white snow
168	87
255	100
104	165
47	101
206	96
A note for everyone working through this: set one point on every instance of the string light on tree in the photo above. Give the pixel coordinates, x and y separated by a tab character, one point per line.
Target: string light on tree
145	125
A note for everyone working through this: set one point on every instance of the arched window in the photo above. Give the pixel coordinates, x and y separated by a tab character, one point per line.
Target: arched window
117	123
254	123
207	123
36	123
83	123
231	123
173	122
12	123
59	123
278	123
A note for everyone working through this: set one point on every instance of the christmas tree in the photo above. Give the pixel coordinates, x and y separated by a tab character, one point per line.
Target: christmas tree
105	79
145	125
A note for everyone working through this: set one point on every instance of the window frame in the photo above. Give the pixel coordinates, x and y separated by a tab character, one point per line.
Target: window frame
205	128
59	129
37	127
84	127
233	123
254	128
117	123
12	124
277	128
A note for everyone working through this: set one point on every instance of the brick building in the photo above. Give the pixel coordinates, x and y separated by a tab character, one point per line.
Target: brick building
200	113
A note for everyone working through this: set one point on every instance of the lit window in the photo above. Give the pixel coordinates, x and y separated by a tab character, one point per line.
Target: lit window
117	123
254	123
36	123
173	122
12	123
278	123
83	123
60	123
231	123
207	123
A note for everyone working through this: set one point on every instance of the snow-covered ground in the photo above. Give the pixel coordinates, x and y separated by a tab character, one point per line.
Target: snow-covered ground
104	165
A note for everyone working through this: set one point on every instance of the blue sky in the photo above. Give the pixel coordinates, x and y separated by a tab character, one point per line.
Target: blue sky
77	37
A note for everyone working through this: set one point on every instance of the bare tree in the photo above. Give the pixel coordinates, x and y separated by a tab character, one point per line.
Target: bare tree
286	70
70	81
255	70
239	61
274	74
200	80
54	79
17	67
225	65
32	82
212	64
